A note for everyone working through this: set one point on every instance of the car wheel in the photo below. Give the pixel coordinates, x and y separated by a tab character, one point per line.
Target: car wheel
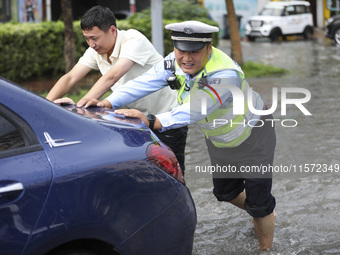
308	33
337	36
275	35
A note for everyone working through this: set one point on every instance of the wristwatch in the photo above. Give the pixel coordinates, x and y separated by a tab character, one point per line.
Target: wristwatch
151	118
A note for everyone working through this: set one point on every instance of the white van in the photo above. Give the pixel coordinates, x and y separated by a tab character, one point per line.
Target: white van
281	19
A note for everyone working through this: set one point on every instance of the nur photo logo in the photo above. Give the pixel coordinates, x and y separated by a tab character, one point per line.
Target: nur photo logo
216	90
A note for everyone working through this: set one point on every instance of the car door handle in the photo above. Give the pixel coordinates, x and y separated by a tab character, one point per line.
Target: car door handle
11	189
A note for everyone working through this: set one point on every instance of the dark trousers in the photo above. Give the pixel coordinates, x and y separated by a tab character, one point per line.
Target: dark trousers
176	140
256	150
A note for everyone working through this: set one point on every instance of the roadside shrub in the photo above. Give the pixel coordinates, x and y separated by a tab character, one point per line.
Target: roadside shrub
34	50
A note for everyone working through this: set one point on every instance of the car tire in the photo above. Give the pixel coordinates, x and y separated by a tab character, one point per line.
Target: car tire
275	35
308	33
337	36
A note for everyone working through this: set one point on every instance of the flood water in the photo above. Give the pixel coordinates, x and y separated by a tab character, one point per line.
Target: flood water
308	203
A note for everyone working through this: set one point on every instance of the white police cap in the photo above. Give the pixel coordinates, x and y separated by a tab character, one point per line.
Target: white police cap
191	35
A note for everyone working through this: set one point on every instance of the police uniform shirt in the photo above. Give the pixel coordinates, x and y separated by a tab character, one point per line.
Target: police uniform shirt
182	115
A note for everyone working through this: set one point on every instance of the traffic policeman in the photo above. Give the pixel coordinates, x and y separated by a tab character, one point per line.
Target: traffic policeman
209	83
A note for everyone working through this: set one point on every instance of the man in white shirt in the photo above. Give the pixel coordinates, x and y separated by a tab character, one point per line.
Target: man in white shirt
120	56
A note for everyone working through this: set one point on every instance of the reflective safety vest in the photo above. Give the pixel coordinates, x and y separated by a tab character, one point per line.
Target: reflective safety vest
235	130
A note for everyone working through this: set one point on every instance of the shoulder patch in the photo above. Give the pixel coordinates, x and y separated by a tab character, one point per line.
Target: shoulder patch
167	64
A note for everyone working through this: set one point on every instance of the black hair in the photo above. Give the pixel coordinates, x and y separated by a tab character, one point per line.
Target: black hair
99	16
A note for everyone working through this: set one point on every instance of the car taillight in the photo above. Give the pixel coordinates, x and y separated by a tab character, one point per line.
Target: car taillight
165	159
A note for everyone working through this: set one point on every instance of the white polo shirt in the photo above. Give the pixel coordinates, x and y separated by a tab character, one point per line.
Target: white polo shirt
133	45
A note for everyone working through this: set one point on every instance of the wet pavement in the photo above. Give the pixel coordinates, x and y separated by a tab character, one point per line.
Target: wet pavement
308	198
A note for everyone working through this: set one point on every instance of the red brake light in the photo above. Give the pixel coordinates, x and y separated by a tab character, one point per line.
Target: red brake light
163	157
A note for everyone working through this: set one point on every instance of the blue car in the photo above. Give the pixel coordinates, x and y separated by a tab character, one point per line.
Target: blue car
86	181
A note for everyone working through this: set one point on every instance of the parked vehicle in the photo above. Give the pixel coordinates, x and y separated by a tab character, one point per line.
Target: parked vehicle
332	29
86	181
281	19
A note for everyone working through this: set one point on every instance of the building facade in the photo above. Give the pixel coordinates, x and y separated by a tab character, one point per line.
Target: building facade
47	10
50	10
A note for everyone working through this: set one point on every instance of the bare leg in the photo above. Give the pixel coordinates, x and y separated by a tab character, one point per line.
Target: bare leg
264	226
239	200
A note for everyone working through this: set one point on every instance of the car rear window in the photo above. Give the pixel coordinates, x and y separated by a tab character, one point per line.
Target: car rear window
10	137
300	9
16	136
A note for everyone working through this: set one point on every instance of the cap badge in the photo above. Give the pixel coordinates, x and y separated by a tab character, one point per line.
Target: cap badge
188	30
